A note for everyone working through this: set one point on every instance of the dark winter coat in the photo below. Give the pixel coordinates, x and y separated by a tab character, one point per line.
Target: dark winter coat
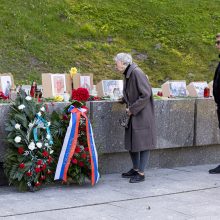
216	85
140	134
216	91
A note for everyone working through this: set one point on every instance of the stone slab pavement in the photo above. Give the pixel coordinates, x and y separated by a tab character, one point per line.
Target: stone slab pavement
178	193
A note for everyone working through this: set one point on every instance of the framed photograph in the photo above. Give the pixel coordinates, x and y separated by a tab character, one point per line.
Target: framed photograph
112	88
85	82
6	84
55	84
178	88
200	86
174	88
58	84
196	89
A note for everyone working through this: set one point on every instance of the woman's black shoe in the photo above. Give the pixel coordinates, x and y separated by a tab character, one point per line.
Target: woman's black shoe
215	170
137	178
129	174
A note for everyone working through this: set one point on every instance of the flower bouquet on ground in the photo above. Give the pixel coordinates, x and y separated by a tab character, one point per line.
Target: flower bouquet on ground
78	158
29	158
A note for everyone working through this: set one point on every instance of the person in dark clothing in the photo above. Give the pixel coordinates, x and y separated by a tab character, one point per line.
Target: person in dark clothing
140	135
216	94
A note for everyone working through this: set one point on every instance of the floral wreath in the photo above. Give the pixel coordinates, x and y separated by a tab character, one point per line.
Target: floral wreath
29	157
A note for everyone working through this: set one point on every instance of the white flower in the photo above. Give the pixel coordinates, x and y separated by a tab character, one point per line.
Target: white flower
28	98
31	146
17	126
48	123
46	144
39	114
21	107
42	109
51	151
48	137
39	144
30	125
17	139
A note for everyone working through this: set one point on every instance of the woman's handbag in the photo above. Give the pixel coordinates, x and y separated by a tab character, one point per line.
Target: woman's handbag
124	120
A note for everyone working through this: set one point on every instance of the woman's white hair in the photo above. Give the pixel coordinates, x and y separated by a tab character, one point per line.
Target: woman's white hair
125	58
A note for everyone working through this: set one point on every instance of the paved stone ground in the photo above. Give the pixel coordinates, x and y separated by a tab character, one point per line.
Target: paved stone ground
180	193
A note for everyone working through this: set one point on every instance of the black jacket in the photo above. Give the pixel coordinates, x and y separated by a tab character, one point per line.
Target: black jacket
216	85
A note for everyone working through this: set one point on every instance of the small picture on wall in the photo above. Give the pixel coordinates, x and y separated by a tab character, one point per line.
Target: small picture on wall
58	84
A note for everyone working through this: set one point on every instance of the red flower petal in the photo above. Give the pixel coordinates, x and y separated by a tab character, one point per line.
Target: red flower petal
22	166
20	150
77	150
80	94
74	161
81	164
84	156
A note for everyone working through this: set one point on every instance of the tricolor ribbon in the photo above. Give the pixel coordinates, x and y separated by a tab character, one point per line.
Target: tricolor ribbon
69	146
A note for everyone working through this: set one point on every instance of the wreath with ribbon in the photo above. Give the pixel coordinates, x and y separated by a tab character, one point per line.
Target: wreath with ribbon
29	158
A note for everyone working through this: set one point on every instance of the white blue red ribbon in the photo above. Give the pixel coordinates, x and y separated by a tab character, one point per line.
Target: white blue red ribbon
69	146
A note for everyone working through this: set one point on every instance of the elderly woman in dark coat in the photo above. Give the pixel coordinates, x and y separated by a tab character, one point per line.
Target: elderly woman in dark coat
140	134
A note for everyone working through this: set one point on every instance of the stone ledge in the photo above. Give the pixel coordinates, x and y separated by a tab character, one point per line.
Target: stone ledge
174	121
162	158
207	131
180	123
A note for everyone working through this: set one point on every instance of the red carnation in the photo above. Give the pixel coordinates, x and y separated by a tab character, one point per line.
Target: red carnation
81	164
42	177
39	162
45	154
37	184
20	150
49	172
86	149
21	165
29	173
44	167
80	94
77	150
49	159
84	156
74	161
37	169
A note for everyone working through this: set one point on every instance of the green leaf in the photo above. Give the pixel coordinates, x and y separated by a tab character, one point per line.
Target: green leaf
22	119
